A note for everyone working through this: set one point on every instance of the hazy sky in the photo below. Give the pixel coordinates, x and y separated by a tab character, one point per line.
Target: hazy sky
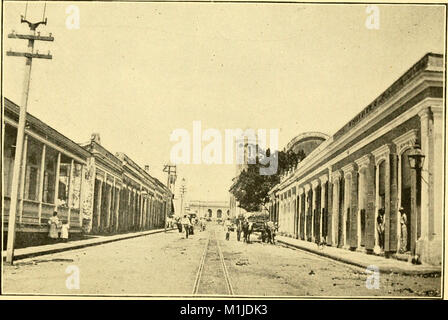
134	72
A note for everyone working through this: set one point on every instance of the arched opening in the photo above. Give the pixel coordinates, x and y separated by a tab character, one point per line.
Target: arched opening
381	203
406	203
219	214
317	213
341	210
210	213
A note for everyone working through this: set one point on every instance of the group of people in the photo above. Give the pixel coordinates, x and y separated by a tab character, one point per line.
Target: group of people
246	227
381	229
58	229
187	223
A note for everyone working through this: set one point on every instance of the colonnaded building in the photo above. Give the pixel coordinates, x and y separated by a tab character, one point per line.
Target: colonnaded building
214	210
362	188
91	188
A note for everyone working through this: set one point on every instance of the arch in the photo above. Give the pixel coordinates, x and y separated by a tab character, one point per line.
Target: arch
407	238
305	136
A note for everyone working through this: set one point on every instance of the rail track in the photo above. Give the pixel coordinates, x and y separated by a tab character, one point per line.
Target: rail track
212	277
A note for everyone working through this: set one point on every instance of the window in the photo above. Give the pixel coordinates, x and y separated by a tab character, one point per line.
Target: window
8	157
76	181
64	180
49	176
32	173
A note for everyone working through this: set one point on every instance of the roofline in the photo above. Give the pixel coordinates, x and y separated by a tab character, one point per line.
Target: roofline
72	145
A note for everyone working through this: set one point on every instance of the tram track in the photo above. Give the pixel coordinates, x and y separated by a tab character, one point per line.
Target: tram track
208	279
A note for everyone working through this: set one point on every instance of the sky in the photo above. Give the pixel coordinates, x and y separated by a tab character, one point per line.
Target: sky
134	72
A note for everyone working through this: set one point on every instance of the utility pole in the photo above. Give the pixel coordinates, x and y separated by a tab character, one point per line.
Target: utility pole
29	55
183	190
171	179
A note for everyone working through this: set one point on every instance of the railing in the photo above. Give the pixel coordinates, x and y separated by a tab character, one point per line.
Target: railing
74	217
30	213
47	212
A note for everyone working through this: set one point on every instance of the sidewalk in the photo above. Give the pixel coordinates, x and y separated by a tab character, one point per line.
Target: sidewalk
361	259
77	244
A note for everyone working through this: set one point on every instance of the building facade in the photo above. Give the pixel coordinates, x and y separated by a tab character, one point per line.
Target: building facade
91	188
349	190
214	210
53	175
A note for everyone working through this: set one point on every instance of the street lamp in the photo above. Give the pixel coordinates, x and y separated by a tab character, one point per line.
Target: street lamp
417	158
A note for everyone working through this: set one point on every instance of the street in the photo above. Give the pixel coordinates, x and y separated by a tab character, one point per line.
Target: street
169	264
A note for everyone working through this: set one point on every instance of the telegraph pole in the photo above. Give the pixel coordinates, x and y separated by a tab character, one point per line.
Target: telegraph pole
171	179
183	190
29	55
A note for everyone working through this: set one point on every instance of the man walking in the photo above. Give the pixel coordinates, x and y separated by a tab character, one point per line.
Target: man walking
239	229
186	225
227	226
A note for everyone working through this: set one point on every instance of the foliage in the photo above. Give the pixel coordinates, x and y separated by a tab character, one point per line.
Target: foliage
251	188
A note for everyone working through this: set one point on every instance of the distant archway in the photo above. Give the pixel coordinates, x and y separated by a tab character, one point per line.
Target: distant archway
210	213
219	214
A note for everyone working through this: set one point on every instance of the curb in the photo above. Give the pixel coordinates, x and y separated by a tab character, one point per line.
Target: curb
75	246
386	270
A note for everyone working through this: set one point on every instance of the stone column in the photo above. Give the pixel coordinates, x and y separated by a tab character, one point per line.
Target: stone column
314	208
108	203
300	192
117	208
370	209
394	215
324	215
329	210
436	214
351	203
429	244
424	208
98	204
335	212
307	211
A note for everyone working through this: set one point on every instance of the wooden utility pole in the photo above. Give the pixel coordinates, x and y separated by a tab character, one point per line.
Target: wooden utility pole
183	190
171	179
29	55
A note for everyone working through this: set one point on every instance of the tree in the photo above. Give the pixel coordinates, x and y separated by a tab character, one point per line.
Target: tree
251	188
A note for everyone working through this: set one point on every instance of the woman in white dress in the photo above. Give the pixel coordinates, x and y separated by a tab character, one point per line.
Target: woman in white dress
54	226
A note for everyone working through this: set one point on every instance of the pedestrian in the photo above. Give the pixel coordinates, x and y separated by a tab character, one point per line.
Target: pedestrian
239	229
64	231
380	228
227	227
179	224
270	228
403	231
54	224
191	225
186	225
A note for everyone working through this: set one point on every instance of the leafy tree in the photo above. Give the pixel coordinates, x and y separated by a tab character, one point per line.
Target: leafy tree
251	188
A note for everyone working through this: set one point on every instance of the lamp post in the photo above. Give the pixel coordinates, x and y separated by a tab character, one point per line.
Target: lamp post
416	159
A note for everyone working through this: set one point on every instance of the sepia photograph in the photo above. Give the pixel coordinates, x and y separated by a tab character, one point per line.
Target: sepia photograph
223	150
